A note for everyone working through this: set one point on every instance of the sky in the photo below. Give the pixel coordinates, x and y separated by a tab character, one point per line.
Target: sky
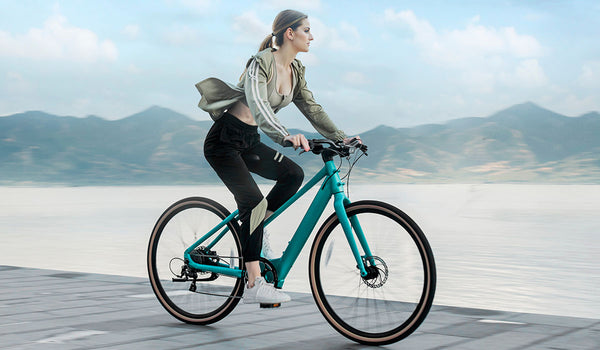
397	63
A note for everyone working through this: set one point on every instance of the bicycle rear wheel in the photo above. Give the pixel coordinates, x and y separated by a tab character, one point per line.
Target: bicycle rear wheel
212	296
391	303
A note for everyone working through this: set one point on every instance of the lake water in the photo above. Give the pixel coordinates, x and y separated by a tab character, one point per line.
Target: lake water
527	248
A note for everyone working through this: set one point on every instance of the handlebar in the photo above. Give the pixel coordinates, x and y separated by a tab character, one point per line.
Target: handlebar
323	146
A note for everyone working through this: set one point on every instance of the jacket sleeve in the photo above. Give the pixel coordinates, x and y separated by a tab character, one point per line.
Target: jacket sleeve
305	102
255	86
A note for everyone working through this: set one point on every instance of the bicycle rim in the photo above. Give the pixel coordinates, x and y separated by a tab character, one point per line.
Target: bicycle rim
379	310
177	229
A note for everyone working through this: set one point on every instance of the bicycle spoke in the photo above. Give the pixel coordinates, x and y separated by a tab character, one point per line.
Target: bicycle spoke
189	297
386	305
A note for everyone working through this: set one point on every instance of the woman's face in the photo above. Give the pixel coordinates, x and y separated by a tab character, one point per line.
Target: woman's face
302	36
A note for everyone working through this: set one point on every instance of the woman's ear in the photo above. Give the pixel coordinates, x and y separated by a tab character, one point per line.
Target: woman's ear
289	33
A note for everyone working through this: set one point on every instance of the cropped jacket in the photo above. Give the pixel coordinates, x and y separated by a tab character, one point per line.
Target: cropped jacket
254	89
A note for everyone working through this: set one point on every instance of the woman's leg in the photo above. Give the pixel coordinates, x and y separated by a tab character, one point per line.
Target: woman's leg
251	204
270	164
224	144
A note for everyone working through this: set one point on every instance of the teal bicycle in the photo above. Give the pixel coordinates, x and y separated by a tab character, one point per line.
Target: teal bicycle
371	269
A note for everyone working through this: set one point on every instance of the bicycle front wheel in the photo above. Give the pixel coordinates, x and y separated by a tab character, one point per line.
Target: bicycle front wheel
393	300
191	295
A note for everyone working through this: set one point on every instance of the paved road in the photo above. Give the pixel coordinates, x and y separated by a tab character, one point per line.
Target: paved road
47	309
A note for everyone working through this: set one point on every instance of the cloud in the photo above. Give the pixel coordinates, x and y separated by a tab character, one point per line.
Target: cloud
304	5
58	40
131	31
181	36
590	74
483	57
355	79
18	84
569	103
529	73
344	37
250	28
199	6
309	59
133	69
460	47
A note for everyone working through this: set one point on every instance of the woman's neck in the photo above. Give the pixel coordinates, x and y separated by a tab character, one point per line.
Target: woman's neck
285	55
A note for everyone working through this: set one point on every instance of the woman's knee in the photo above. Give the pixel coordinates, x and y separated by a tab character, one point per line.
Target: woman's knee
295	174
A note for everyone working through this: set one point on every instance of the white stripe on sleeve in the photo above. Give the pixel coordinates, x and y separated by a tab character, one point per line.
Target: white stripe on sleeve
264	110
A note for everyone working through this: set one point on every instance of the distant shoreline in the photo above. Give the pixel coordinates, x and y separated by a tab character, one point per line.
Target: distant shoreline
30	184
521	144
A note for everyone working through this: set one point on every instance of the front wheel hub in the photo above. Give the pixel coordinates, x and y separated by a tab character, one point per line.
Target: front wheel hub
377	274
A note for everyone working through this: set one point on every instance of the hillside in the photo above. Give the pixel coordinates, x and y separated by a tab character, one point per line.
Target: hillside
523	143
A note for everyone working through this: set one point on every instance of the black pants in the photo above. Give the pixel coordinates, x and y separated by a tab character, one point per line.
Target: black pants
233	149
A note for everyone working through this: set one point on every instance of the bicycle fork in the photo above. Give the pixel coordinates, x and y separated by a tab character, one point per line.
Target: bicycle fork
352	228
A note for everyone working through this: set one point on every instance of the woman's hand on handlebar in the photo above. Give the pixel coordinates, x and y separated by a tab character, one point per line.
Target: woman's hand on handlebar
298	140
349	140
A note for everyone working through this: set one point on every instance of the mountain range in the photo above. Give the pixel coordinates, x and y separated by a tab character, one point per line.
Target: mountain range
523	143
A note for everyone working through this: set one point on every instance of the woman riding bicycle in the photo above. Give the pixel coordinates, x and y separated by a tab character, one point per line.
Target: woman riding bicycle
273	78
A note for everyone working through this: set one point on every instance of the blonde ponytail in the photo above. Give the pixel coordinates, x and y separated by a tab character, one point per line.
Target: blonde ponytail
268	42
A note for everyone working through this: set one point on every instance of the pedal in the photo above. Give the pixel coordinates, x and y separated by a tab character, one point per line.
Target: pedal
269	306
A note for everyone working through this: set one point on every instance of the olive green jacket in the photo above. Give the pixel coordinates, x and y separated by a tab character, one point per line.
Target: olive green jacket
254	88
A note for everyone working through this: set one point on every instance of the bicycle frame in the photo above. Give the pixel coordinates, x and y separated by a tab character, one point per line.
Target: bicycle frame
332	186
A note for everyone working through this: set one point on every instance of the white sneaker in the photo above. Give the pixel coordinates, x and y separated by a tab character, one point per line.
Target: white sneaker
267	252
264	293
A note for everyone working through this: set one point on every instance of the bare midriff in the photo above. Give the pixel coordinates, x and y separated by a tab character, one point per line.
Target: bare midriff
242	112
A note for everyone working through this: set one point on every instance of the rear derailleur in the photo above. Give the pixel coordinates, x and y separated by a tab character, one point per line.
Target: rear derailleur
188	273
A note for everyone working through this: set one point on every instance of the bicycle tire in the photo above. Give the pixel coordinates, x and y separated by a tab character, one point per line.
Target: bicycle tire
381	310
176	229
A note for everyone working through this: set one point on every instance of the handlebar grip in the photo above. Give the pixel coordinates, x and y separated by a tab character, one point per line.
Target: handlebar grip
288	144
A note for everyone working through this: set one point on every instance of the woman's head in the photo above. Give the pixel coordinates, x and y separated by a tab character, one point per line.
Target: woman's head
284	20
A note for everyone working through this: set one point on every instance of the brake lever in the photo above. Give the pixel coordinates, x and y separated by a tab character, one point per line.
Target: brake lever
311	146
356	143
363	148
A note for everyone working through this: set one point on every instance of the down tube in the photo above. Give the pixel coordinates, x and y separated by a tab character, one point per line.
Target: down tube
302	234
310	184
